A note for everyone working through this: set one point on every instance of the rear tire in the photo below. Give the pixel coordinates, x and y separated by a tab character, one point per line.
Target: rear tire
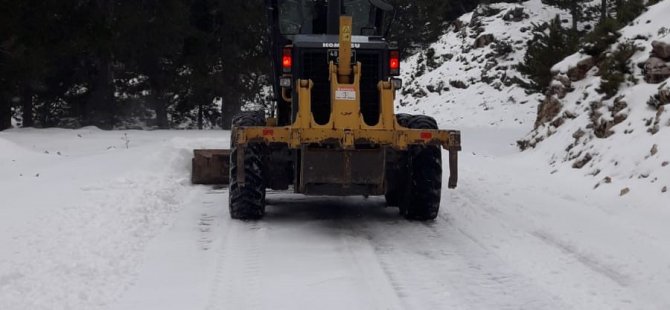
247	202
396	173
423	189
393	197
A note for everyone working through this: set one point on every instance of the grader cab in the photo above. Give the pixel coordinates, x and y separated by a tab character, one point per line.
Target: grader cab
333	130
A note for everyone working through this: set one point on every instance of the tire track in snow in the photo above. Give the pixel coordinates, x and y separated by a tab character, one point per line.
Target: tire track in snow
379	281
337	259
433	265
237	280
574	277
218	284
588	261
208	219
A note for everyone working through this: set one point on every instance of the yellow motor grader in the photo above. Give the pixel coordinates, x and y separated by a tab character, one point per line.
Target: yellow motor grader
333	130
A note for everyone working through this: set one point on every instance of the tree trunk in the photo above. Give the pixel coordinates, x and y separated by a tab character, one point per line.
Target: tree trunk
603	10
80	110
5	114
159	105
27	105
574	11
229	107
161	115
44	120
100	103
200	121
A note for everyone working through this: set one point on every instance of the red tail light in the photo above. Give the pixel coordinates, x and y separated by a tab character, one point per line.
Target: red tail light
426	135
394	63
287	60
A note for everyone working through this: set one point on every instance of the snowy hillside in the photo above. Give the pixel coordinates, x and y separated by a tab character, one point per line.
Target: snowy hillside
466	78
621	142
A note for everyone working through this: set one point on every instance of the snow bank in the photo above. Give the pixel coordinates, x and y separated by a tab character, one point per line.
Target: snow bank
75	217
11	150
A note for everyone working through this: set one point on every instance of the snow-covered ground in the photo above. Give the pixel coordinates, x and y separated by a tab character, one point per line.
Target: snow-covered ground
77	209
86	223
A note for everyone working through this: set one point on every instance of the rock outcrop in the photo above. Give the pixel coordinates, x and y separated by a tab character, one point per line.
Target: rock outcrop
484	40
661	50
578	72
656	68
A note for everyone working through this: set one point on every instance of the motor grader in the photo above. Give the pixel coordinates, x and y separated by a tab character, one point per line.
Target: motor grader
332	129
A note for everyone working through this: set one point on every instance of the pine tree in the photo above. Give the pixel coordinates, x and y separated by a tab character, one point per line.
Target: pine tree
152	35
419	23
550	44
8	24
29	52
103	62
628	10
224	52
574	6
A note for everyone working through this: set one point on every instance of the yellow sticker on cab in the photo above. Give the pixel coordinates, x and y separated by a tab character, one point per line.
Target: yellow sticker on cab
345	93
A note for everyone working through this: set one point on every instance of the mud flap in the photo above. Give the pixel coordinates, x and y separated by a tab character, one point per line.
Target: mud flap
453	168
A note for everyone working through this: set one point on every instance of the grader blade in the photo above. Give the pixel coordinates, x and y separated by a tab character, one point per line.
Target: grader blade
210	166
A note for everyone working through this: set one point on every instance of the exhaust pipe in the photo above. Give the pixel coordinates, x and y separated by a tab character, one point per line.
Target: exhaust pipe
334	12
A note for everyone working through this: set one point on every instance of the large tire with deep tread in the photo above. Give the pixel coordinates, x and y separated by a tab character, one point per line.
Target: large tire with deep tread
248	202
403	119
397	176
421	199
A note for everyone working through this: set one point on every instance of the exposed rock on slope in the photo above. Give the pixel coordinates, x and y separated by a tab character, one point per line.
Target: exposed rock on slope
619	134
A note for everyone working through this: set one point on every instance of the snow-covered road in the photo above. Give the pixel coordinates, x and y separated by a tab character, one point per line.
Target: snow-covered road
109	227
